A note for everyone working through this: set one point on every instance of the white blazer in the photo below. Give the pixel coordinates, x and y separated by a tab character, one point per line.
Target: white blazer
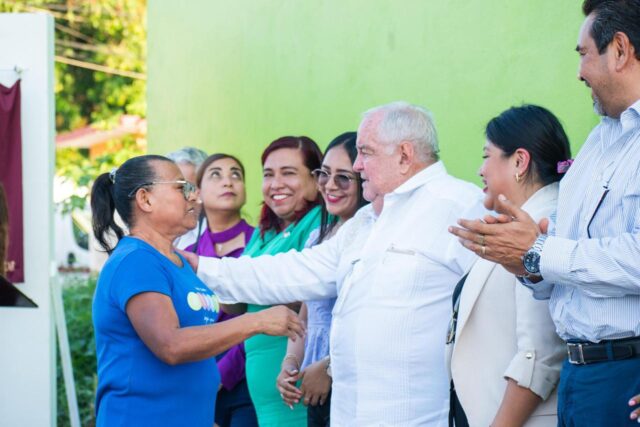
503	332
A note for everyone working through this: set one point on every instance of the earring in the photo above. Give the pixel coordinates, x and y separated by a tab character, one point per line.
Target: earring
517	177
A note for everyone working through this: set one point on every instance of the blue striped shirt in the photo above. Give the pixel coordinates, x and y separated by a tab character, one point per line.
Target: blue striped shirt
591	260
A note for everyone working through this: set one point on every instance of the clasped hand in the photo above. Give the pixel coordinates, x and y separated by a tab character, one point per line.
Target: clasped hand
314	388
503	238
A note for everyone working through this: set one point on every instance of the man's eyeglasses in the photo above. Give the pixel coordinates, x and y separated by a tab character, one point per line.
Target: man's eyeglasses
341	180
186	187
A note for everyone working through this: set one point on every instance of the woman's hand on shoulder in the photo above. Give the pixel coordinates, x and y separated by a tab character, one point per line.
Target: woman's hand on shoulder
191	258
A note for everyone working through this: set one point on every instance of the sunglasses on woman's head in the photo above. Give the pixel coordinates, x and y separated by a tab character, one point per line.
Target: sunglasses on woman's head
186	187
341	180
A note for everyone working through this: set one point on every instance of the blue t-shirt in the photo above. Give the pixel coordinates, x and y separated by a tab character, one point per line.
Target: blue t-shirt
136	388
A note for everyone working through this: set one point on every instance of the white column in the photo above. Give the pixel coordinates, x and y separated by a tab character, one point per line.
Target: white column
27	353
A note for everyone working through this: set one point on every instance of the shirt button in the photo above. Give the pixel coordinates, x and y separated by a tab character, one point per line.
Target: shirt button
529	355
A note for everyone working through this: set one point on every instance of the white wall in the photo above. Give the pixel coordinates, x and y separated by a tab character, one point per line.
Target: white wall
27	362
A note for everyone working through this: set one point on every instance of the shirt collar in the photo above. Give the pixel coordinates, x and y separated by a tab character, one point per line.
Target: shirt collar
368	212
432	171
628	116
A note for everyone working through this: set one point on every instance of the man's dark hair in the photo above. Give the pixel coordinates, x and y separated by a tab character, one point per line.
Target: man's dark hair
612	16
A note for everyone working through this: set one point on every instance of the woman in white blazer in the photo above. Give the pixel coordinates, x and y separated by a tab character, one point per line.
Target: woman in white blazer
503	351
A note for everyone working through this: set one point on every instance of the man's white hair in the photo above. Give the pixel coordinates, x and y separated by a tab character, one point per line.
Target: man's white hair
401	121
192	155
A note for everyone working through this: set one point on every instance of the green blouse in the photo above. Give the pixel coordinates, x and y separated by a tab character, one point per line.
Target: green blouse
264	353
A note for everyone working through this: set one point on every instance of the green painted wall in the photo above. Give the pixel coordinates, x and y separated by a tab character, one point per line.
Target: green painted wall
232	75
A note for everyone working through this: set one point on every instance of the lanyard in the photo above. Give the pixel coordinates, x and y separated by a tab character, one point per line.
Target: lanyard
453	323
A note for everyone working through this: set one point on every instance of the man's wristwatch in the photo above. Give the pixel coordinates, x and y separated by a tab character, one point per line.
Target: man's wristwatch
531	258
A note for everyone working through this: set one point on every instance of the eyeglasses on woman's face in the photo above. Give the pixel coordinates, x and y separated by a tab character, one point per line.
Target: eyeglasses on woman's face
341	180
186	187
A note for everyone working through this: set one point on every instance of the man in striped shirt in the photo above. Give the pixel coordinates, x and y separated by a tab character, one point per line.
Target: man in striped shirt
588	263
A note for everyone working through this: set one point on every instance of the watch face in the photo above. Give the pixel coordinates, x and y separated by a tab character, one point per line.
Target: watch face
531	262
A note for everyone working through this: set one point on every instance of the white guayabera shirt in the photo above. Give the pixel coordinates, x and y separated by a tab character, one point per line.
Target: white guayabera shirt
393	276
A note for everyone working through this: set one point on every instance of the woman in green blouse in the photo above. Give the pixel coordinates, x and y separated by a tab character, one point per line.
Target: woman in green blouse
290	213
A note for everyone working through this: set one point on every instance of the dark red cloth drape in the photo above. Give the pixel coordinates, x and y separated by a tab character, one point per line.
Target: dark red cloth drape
11	176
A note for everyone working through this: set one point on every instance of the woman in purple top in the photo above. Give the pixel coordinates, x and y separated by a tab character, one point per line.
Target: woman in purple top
220	180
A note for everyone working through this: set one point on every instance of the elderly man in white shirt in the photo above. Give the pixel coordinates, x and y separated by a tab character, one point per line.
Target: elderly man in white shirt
393	268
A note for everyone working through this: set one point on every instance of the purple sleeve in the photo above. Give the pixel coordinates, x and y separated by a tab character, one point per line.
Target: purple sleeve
231	367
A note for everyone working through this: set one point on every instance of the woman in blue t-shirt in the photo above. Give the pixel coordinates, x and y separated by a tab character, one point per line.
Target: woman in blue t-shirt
154	320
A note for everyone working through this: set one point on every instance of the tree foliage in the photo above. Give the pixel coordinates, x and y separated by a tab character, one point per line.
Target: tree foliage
110	34
77	167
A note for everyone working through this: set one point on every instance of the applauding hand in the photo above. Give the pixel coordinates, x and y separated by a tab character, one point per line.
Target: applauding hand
503	239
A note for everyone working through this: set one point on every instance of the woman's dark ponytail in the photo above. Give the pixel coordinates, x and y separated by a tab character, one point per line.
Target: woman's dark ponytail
115	191
536	130
103	212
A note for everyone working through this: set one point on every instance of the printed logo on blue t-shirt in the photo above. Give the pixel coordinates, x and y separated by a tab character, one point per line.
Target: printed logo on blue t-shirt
200	301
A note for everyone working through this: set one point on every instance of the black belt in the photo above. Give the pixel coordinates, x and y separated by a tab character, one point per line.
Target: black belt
582	353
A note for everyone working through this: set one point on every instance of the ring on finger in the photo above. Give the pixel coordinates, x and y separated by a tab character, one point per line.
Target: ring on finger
483	248
481	242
